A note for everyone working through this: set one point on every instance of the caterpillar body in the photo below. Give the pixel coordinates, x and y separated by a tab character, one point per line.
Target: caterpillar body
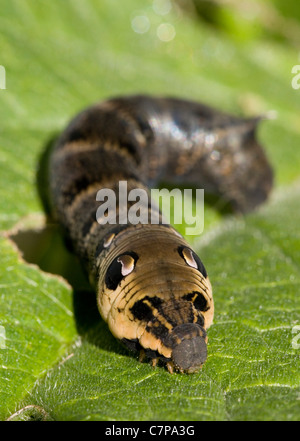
152	289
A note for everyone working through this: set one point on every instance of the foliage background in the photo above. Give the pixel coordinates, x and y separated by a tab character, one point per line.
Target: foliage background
57	359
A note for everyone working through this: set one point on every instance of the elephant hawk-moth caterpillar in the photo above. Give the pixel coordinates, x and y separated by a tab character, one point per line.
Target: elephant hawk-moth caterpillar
152	289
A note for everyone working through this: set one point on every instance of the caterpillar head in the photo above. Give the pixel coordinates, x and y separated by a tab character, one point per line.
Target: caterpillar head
159	306
189	351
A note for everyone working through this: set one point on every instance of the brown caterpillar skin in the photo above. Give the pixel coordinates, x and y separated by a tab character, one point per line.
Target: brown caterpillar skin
152	289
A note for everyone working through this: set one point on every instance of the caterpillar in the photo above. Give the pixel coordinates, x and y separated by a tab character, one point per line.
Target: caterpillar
152	288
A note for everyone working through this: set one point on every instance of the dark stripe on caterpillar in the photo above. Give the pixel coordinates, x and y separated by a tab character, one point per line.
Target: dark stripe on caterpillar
198	300
152	288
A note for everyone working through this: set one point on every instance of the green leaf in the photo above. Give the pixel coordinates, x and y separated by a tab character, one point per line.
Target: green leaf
57	358
36	317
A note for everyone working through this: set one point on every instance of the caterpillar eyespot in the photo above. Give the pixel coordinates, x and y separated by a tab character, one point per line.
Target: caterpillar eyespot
119	268
192	259
152	288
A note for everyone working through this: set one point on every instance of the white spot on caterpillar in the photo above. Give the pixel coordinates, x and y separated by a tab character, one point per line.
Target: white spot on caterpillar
108	240
189	258
127	263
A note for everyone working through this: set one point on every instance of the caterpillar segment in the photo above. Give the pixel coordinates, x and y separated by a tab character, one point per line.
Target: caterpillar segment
152	289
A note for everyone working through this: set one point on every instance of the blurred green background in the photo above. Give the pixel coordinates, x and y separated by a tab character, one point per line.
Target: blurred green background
61	56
